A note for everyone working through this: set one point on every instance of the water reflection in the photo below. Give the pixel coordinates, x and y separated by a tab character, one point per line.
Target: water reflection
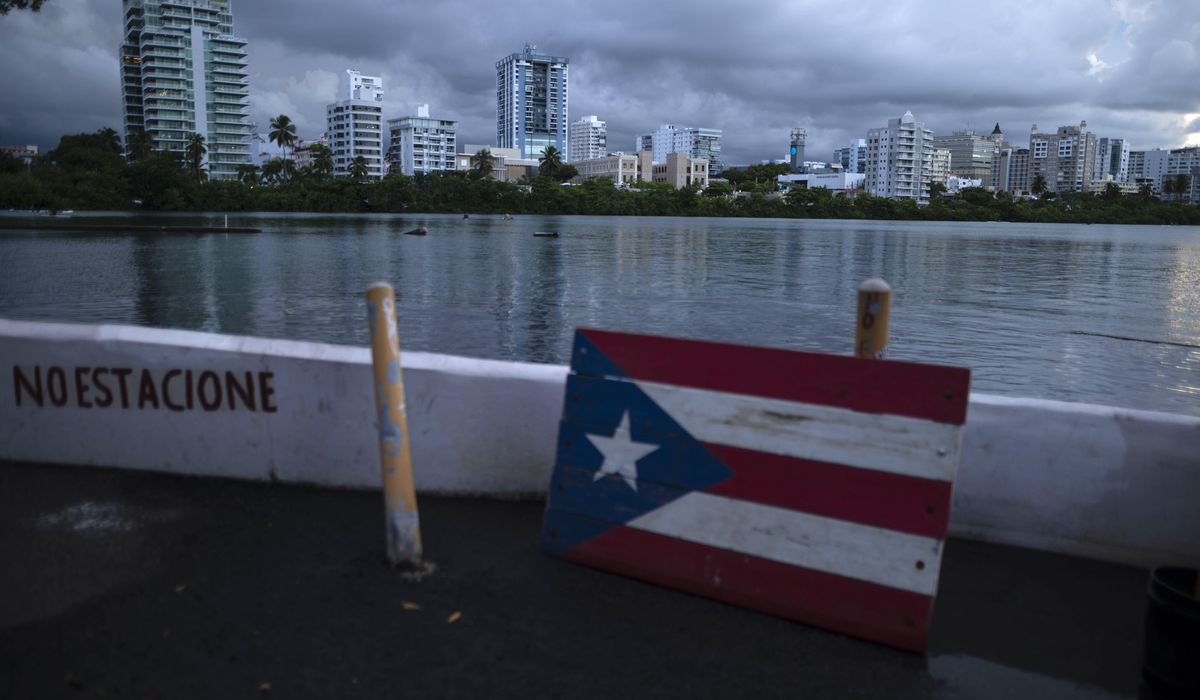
172	281
1007	300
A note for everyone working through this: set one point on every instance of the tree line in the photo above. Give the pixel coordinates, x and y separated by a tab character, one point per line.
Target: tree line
95	172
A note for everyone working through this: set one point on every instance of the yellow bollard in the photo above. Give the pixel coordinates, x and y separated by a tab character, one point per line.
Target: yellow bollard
399	496
874	307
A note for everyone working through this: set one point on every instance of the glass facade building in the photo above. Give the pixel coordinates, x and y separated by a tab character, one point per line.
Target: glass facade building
183	72
531	102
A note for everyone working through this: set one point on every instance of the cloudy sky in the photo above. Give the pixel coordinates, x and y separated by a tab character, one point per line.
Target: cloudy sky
1130	68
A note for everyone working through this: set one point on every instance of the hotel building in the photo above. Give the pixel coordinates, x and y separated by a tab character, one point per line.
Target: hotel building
1064	159
589	139
971	154
697	143
354	124
531	102
183	72
421	144
900	160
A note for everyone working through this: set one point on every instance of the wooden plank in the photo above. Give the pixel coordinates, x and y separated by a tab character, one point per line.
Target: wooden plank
894	501
931	392
788	536
871	611
894	444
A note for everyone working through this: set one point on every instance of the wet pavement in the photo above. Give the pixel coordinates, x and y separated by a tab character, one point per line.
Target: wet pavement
135	585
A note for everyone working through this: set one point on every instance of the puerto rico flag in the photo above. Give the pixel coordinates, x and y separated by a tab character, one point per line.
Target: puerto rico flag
815	487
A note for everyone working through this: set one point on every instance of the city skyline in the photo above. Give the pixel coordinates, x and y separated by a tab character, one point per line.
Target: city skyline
1124	67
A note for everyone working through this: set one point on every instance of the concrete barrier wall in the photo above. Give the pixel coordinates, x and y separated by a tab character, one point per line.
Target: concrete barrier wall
1088	480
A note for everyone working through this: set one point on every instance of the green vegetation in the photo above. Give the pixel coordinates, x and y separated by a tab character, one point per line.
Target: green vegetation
6	5
91	172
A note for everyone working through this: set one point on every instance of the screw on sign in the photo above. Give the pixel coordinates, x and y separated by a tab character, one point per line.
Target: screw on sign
871	331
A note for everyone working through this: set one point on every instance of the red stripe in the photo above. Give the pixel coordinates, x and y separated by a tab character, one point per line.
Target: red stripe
867	610
932	392
893	501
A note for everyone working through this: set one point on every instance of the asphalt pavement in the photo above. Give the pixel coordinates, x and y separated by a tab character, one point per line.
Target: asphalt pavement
125	584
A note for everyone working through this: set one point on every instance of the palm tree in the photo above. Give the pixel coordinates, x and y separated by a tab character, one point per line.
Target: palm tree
482	163
322	159
1039	184
550	161
278	170
248	174
6	5
358	168
283	132
1183	183
140	145
195	156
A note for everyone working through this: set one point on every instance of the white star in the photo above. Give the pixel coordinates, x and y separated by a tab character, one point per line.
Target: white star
621	453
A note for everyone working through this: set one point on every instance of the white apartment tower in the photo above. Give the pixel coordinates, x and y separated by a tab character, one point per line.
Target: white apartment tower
940	167
589	139
531	102
420	144
1148	167
697	142
355	124
1064	159
899	160
853	158
1112	160
183	72
1186	162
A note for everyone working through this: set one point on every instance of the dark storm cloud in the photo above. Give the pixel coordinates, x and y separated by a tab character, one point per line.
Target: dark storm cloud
1129	68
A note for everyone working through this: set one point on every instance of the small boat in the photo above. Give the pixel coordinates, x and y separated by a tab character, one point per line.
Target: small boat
546	234
418	231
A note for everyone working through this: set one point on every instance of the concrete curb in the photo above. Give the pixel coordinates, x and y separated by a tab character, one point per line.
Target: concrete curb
1095	481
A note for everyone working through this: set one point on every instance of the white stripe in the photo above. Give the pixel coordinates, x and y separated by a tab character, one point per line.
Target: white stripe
881	556
896	444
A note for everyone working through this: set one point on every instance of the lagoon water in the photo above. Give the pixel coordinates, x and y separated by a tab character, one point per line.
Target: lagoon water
1028	307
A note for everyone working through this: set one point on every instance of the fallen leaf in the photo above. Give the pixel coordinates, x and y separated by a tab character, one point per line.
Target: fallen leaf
181	588
454	616
409	605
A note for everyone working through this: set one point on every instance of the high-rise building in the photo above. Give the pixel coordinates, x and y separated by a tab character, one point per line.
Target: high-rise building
1186	162
1064	159
1012	171
531	102
420	144
900	160
796	149
698	143
355	124
941	165
853	158
999	173
1112	160
1148	167
183	72
589	139
971	154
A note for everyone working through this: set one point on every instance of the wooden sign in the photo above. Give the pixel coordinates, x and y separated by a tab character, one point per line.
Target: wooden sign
815	487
